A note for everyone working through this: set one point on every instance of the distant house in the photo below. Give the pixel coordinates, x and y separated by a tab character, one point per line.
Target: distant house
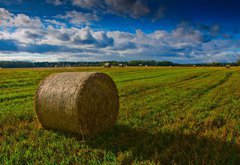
107	65
121	65
228	66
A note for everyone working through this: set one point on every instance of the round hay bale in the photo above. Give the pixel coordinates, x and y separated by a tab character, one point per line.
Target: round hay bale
85	103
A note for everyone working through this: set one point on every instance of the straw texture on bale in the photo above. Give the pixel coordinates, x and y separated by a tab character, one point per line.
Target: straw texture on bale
85	103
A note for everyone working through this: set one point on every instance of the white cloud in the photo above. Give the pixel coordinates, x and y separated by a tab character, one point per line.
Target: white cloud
70	38
24	21
185	43
4	14
77	38
25	56
79	18
87	3
53	22
20	21
27	36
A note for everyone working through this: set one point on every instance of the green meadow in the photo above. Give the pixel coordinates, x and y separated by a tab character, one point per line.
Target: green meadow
167	116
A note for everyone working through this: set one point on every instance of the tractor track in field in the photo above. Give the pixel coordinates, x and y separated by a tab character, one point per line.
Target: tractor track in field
220	82
212	87
129	72
198	95
191	78
203	92
13	80
21	84
153	77
17	90
15	97
145	78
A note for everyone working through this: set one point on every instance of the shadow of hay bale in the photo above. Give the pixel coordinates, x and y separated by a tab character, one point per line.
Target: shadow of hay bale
167	147
162	147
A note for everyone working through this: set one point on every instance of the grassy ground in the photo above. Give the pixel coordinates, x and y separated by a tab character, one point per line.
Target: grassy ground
167	116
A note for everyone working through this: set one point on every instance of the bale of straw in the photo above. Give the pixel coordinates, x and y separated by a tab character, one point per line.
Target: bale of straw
85	103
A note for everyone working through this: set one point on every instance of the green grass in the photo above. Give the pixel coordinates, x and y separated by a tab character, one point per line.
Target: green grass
167	116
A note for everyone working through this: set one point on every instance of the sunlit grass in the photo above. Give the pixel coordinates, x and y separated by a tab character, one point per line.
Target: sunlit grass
167	115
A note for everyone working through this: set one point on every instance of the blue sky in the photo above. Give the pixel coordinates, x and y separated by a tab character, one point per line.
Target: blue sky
181	31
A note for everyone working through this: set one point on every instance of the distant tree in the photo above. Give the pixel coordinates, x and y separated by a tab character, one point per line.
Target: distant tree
215	64
16	64
238	62
165	63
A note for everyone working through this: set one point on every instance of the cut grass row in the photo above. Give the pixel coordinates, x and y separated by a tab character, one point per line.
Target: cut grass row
167	115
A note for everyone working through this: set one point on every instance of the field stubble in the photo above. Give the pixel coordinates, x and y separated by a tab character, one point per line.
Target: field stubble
167	115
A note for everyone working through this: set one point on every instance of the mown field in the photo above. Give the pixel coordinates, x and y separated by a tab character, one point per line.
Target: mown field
167	116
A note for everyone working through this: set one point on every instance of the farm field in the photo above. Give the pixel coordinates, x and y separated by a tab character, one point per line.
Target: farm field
167	116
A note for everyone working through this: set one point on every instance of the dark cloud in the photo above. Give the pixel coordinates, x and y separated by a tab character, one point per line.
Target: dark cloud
132	8
84	37
187	41
63	37
159	13
126	45
104	40
44	48
31	34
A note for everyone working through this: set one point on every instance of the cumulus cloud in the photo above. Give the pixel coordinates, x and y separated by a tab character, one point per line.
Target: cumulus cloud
77	38
87	3
83	36
28	36
55	23
181	44
69	38
185	34
185	43
4	14
123	40
5	17
24	21
35	57
20	20
79	18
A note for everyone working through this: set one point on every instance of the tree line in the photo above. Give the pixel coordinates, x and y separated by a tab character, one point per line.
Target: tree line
25	64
